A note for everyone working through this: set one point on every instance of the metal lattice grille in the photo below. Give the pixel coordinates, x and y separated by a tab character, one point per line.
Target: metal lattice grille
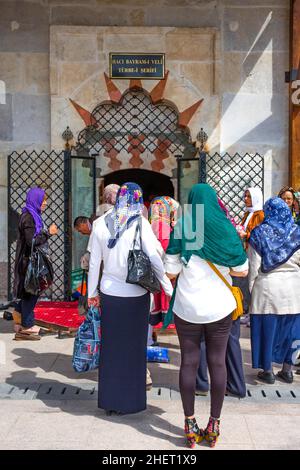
230	175
135	126
46	170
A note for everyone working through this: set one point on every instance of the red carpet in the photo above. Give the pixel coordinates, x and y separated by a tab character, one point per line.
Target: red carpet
65	314
62	314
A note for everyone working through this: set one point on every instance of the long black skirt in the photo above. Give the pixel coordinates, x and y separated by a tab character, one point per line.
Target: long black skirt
122	368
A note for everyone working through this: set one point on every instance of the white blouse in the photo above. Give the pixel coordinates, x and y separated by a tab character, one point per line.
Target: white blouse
113	281
277	291
201	296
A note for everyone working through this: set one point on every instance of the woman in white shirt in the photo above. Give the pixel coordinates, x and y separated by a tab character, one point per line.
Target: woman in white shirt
124	307
202	303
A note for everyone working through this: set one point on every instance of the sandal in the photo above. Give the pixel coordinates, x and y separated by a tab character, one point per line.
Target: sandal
20	336
27	335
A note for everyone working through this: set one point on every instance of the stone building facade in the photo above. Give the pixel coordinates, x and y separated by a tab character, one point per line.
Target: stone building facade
231	53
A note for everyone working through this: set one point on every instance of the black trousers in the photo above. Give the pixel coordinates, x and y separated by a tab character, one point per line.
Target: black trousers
25	307
216	337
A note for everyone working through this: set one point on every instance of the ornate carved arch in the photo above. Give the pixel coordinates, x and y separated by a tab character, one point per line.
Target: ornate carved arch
136	129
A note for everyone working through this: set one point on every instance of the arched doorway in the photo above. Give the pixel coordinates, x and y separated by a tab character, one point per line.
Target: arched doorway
151	182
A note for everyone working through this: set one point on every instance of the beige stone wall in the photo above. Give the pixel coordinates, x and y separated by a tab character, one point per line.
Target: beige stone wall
252	99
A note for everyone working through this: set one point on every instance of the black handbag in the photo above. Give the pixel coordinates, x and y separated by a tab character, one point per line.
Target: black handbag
39	274
140	270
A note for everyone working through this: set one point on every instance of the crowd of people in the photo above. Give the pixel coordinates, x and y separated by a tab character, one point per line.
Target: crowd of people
197	255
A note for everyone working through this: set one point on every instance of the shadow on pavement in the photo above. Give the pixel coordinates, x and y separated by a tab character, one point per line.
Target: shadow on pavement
49	362
149	422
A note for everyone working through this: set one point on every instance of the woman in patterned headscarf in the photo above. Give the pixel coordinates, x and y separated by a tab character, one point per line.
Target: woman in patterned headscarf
30	228
160	220
274	257
124	307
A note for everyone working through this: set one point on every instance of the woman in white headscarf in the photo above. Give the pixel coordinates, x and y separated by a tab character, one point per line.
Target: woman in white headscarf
254	214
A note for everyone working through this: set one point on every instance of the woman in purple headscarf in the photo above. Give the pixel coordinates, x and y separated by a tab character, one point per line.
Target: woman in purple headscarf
30	226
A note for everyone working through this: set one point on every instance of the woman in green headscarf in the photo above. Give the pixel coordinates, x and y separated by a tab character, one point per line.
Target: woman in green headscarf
202	303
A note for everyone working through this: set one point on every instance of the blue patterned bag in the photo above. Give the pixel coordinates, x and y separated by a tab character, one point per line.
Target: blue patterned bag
86	353
157	354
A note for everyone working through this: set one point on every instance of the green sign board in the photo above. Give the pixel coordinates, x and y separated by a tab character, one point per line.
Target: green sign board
139	66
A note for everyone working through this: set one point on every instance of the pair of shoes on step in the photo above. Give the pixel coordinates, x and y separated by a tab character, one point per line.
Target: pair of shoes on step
23	334
269	377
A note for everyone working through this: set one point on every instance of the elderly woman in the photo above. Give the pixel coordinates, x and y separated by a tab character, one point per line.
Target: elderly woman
31	227
202	303
274	257
288	195
125	307
254	214
109	199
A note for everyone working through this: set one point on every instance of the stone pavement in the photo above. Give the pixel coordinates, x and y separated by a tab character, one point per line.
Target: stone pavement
44	404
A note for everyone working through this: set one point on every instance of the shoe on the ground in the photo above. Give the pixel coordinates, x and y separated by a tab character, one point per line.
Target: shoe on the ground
267	377
212	431
285	376
26	337
192	432
297	372
245	319
7	316
201	393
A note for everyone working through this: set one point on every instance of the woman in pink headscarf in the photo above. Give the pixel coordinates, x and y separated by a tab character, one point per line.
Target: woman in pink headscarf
159	218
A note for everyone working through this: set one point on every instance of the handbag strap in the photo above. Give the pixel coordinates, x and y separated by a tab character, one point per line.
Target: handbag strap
138	229
218	273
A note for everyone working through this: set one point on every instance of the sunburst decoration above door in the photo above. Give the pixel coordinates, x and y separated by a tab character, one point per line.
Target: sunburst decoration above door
137	123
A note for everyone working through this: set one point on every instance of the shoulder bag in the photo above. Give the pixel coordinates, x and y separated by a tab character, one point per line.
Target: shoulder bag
236	292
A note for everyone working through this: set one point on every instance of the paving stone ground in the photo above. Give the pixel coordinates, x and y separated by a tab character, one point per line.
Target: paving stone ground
34	418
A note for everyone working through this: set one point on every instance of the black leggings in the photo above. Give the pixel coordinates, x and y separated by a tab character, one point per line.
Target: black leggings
216	338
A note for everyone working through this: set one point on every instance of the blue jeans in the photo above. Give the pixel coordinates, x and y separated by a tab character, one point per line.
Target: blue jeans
25	307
